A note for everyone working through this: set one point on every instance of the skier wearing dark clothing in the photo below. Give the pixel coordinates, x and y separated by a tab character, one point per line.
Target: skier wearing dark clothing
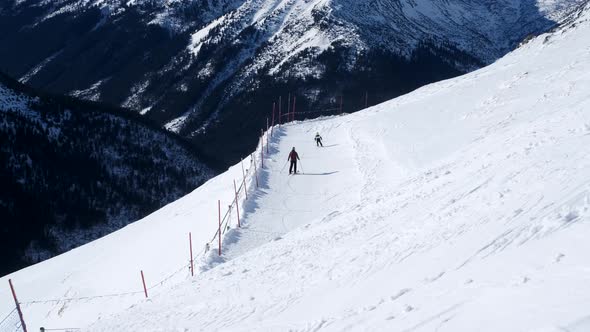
293	157
318	140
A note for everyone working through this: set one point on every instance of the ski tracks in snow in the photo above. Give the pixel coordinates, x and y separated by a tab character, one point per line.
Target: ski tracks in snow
291	201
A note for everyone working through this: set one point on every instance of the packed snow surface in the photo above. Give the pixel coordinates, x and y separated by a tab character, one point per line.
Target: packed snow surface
463	206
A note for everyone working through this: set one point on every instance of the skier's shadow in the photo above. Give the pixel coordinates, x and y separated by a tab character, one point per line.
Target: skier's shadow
327	173
329	146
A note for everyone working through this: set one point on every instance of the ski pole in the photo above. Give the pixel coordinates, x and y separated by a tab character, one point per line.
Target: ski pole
284	165
301	166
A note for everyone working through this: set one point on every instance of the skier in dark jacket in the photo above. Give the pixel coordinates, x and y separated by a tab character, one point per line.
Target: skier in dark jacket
293	157
318	140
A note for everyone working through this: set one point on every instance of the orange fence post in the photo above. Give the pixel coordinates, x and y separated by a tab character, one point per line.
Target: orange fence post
20	313
219	229
190	243
255	170
244	179
261	148
280	114
143	282
237	206
293	110
289	107
273	119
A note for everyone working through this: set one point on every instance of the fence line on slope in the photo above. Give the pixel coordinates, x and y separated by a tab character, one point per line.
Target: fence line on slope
224	222
12	323
290	116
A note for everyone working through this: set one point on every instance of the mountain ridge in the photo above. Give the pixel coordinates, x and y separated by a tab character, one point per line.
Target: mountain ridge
204	69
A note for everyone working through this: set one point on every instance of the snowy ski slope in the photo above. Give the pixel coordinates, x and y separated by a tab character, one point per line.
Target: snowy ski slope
463	206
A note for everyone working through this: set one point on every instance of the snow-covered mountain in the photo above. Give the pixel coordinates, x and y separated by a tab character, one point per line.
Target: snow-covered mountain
463	206
72	171
206	68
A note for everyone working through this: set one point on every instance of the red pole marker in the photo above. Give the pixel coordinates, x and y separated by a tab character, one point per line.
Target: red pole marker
366	99
255	171
341	97
20	312
266	135
280	114
237	206
273	120
261	149
244	179
143	281
294	104
289	107
219	229
190	243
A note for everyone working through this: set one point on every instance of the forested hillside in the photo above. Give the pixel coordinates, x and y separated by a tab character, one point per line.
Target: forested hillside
72	171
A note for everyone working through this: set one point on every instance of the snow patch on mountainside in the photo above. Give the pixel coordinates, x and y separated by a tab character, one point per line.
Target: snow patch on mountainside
312	39
92	93
198	37
37	68
176	124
